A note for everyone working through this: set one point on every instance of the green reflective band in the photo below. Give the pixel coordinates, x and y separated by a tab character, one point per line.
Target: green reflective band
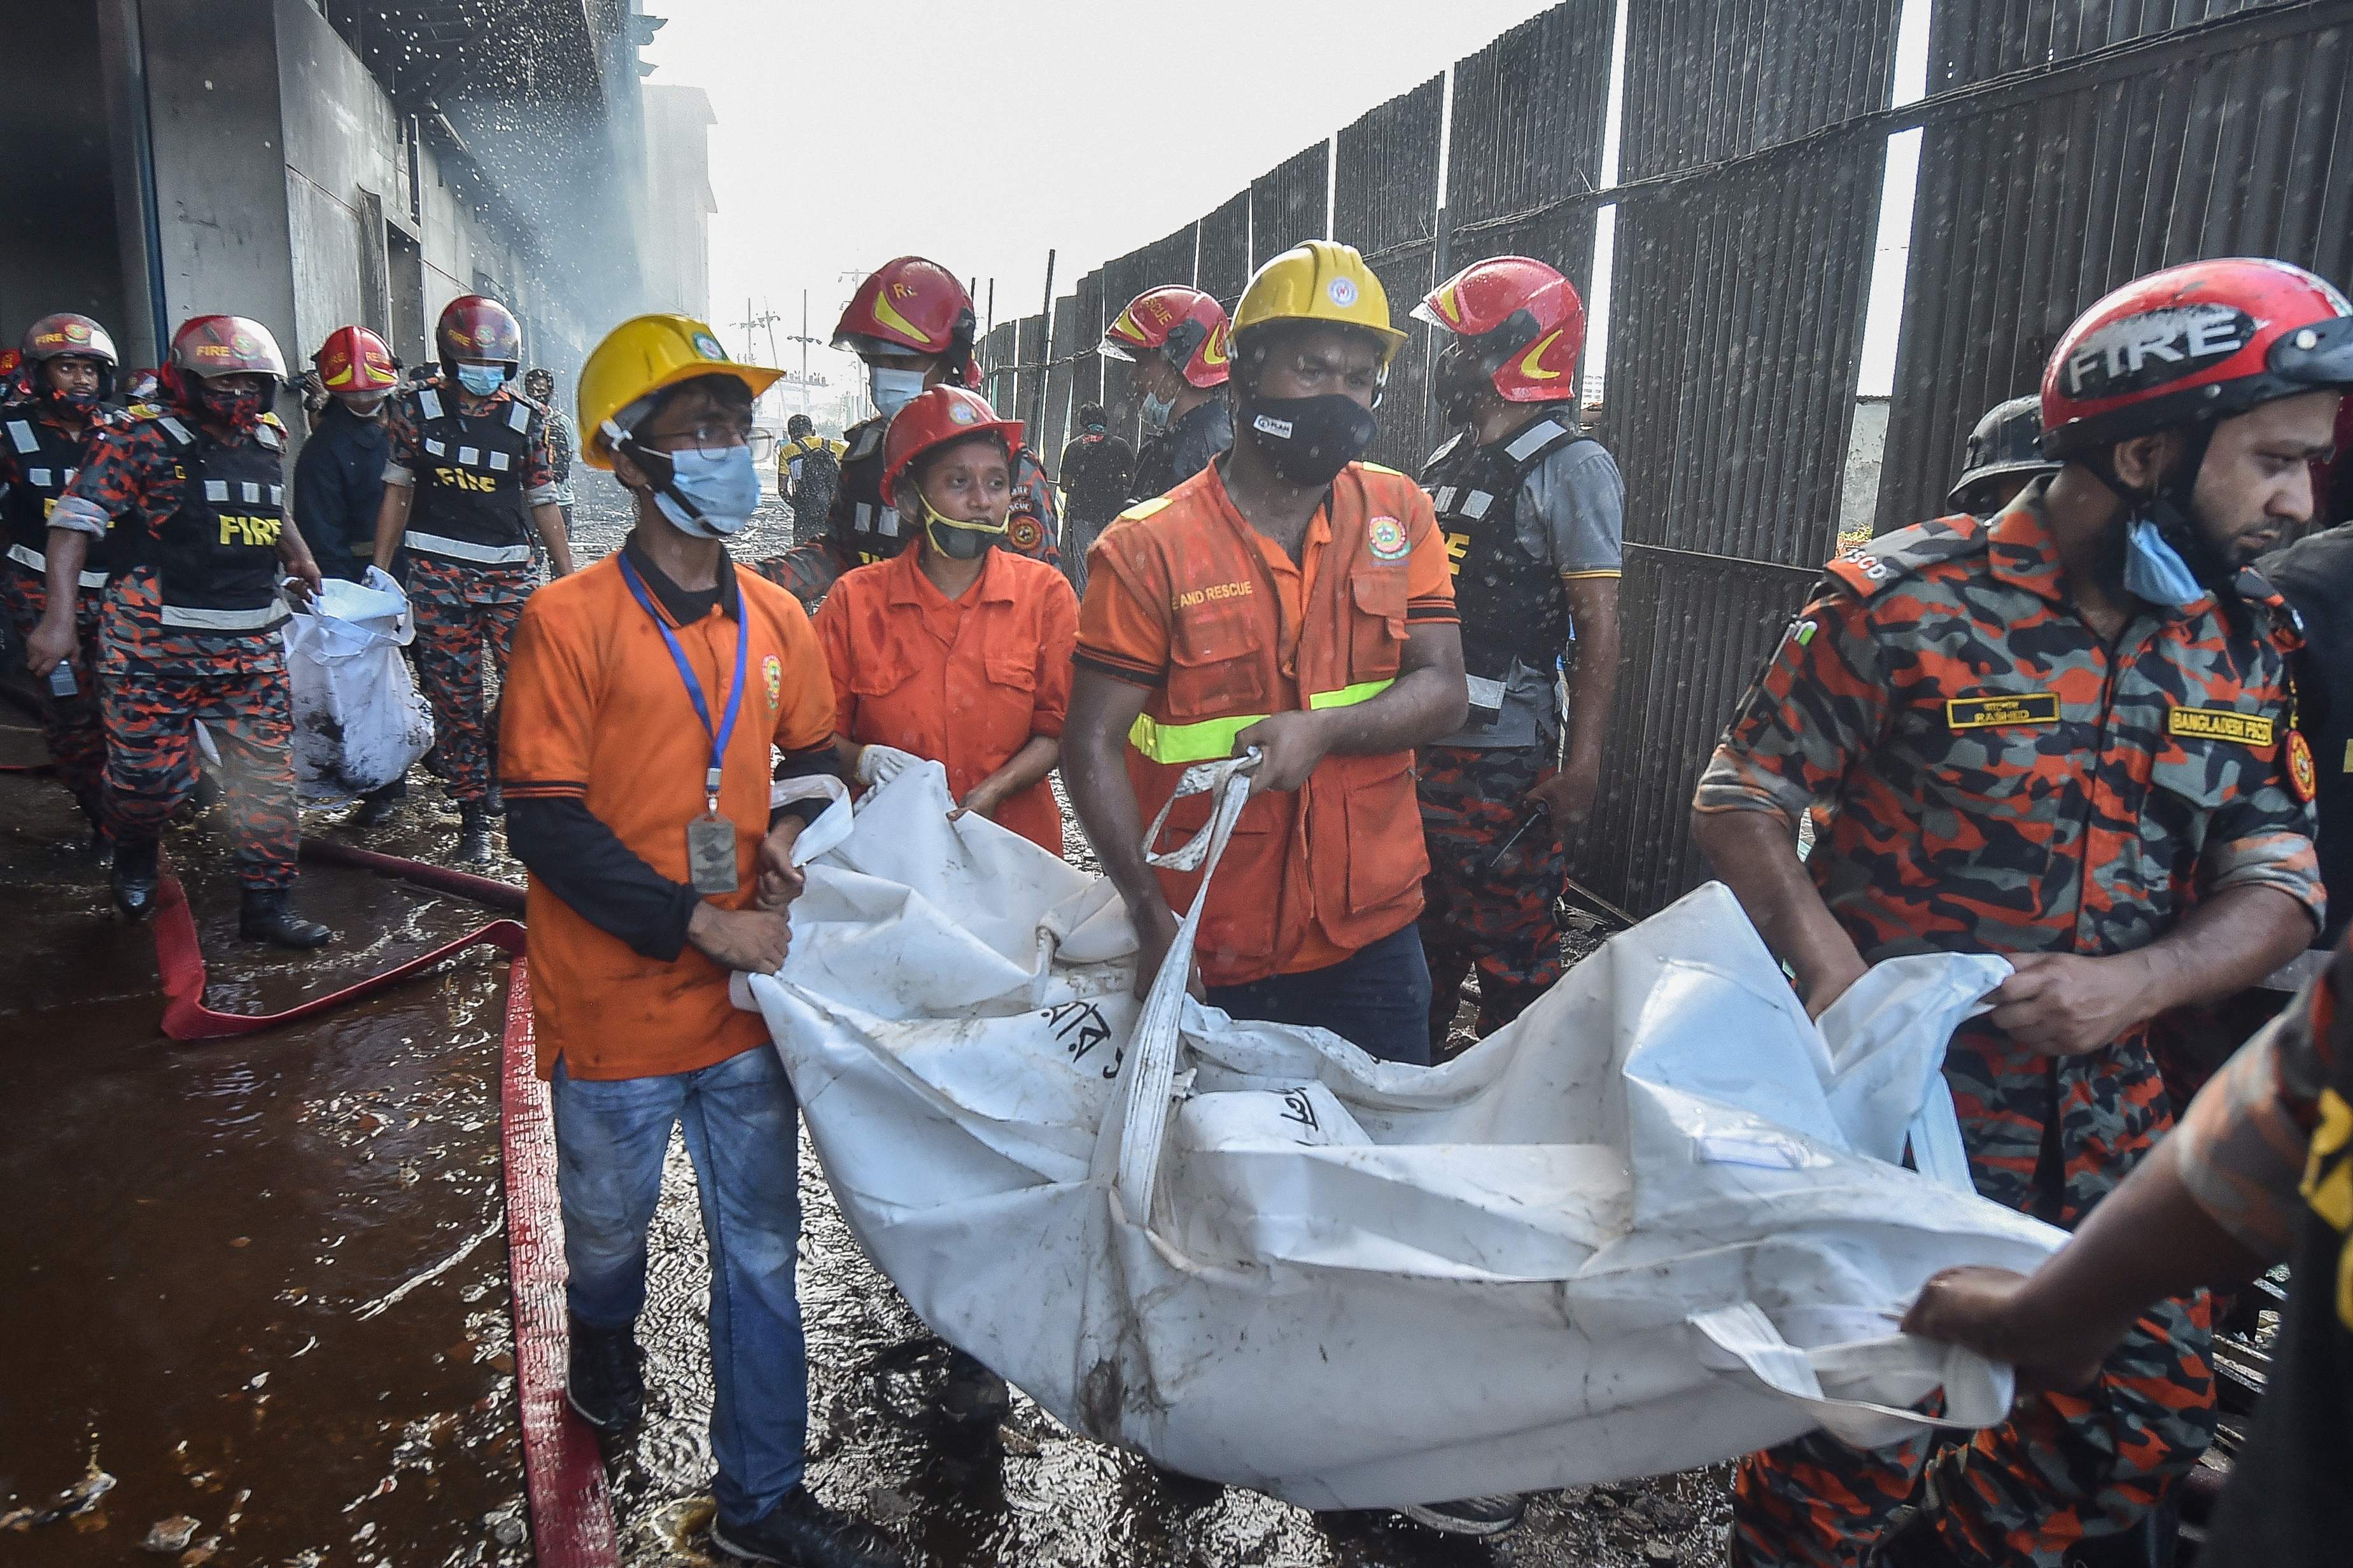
1349	696
1209	740
1212	740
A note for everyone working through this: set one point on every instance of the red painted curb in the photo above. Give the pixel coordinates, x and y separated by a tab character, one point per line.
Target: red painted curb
571	1513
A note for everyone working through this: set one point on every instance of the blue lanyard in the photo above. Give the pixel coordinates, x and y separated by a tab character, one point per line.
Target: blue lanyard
720	736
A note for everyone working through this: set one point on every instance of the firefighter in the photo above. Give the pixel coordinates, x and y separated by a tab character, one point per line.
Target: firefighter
339	478
194	494
2063	735
563	441
1532	510
49	423
913	324
808	472
2004	456
955	652
1179	341
1094	476
470	479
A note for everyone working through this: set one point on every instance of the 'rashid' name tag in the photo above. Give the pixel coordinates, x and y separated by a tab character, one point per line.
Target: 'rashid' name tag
2017	708
711	854
2220	724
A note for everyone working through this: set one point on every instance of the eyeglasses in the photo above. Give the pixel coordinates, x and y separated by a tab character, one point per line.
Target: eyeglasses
711	437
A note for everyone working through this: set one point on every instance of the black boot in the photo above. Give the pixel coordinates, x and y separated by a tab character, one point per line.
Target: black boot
99	847
136	872
379	807
473	832
802	1532
495	802
264	917
607	1386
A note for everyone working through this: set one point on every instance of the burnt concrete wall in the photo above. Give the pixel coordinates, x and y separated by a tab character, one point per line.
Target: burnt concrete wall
58	248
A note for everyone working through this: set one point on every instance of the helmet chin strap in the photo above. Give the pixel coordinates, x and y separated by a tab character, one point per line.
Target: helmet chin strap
2169	508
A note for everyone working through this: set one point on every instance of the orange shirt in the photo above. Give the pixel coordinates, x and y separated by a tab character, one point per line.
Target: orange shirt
964	681
1136	636
595	709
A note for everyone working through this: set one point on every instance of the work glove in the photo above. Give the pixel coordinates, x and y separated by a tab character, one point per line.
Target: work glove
880	765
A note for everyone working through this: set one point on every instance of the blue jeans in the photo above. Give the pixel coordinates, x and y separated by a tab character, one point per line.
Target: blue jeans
742	1134
1376	998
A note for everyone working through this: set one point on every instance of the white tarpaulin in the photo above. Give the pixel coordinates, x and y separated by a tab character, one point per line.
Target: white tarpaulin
359	720
1655	1223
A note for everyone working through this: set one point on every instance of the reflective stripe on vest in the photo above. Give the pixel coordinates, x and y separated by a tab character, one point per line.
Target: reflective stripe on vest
465	549
1212	740
26	555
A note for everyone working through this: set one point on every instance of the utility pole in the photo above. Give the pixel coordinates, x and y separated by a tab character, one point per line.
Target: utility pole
1045	354
805	341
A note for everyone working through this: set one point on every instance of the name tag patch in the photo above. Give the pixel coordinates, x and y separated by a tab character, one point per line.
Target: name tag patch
2220	724
1985	712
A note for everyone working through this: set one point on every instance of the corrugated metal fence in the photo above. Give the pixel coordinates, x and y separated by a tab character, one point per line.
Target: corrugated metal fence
2067	146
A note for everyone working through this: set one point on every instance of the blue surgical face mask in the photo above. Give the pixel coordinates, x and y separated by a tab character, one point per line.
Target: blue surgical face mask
2155	570
482	380
1158	409
724	488
893	389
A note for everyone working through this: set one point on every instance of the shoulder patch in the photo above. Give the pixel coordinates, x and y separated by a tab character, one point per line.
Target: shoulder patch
1380	469
1141	509
1907	551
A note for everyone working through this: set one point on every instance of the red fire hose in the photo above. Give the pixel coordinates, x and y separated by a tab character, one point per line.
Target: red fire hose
571	1510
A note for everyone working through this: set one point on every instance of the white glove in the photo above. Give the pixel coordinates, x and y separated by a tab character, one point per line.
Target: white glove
880	765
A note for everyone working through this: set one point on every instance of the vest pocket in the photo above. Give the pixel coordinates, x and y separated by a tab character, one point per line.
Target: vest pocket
1216	667
1386	860
1377	628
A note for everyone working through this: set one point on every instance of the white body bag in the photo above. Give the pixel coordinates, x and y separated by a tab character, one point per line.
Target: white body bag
359	720
1656	1223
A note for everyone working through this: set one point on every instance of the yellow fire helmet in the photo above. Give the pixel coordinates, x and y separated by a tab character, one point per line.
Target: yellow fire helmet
640	357
1319	280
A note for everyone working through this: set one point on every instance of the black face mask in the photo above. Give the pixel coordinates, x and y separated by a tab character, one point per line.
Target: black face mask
1308	440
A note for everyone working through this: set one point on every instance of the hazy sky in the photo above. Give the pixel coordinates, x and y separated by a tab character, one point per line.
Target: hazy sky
982	133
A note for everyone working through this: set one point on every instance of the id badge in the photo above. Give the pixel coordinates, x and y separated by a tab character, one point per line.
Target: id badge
711	854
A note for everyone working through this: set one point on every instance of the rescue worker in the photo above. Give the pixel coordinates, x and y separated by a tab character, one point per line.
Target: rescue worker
339	483
470	479
956	652
2004	457
1533	511
50	421
2316	576
2060	734
339	477
1243	609
912	322
1179	342
563	441
194	495
808	473
645	701
1093	476
2260	1171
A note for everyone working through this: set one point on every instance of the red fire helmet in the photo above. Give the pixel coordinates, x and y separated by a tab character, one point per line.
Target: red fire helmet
353	359
477	327
69	336
1522	320
909	304
226	345
2193	344
1184	324
937	415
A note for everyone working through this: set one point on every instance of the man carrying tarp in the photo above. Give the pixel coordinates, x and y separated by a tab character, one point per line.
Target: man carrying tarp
2062	734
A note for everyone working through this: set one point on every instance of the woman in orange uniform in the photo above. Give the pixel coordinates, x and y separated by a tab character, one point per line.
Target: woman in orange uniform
956	652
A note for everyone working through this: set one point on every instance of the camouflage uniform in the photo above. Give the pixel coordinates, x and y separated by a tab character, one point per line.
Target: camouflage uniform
189	632
39	455
1987	775
1487	902
475	473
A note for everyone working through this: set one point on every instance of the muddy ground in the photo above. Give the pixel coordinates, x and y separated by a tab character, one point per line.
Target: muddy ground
254	1298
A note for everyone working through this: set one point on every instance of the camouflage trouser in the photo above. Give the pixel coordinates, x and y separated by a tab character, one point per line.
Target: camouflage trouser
74	726
2064	1466
1485	905
463	611
158	684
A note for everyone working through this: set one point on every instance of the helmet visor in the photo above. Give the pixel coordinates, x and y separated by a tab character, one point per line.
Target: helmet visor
2319	356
